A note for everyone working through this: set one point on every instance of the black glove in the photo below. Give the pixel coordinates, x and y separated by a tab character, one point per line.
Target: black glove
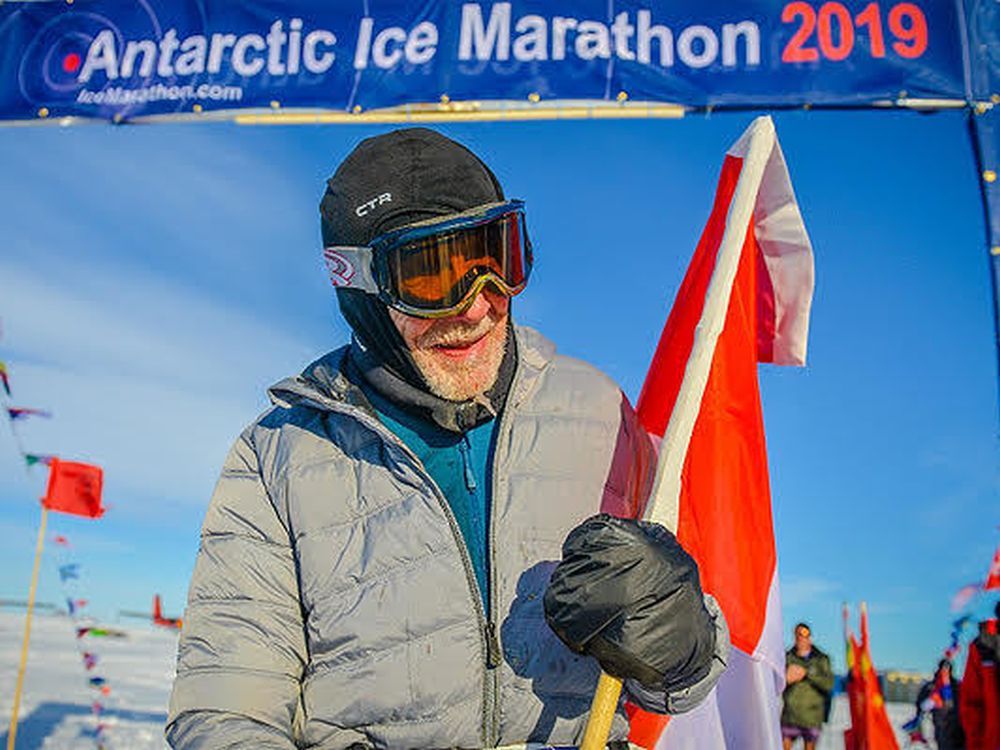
628	594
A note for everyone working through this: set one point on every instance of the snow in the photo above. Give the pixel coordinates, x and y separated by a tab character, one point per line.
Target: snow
56	712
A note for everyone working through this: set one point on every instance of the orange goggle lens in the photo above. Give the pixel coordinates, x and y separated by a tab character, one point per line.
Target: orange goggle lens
440	272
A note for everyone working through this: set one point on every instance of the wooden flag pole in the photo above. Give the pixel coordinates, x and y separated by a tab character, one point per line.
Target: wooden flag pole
663	505
12	734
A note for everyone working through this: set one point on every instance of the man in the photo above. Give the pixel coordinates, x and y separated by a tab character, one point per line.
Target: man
376	555
979	701
809	685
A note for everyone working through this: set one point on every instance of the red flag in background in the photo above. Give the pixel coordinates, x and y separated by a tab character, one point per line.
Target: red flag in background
854	735
993	574
745	299
74	488
870	726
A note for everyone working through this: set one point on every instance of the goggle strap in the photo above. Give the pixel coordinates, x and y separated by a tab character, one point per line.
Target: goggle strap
350	268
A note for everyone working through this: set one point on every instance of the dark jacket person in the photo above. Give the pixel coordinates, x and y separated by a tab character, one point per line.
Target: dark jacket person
809	679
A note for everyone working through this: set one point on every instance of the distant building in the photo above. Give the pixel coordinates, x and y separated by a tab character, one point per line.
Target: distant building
897	686
901	687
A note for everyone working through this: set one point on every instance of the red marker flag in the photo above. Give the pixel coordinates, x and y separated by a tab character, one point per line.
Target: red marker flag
993	574
745	299
74	488
870	726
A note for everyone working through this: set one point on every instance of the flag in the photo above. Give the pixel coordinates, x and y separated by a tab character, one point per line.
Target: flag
61	540
74	488
89	660
879	731
4	378
993	574
745	299
20	412
964	595
870	727
36	458
855	694
97	681
71	570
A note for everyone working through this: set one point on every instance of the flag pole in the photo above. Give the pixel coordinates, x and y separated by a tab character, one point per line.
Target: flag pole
12	734
663	504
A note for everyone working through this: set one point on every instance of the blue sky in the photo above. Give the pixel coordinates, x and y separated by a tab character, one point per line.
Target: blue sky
155	280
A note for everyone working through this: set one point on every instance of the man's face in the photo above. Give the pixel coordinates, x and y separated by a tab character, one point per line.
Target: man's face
460	355
803	640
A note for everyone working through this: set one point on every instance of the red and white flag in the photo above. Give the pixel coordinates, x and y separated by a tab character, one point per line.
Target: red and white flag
745	299
992	581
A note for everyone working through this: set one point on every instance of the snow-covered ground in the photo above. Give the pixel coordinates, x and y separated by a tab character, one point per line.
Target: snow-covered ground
840	719
56	705
55	711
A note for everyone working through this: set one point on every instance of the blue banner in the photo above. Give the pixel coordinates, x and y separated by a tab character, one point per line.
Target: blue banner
985	127
121	59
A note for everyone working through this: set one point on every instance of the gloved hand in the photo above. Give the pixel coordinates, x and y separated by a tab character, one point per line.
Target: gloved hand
628	594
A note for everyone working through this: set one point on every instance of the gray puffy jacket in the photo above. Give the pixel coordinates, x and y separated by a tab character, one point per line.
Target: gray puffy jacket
333	602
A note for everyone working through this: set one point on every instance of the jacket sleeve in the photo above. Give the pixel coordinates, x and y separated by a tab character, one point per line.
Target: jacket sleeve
681	701
970	699
242	648
820	675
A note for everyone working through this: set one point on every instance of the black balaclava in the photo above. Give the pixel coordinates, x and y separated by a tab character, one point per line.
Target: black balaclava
386	182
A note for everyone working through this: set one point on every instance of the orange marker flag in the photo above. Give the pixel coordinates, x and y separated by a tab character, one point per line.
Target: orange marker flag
74	488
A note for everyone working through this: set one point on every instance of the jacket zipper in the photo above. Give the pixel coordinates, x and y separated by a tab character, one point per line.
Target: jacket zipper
490	649
493	675
490	643
465	448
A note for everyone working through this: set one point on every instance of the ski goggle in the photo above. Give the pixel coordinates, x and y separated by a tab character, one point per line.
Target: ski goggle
436	268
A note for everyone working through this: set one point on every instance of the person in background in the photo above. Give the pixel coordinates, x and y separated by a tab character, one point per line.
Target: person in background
939	697
809	686
979	702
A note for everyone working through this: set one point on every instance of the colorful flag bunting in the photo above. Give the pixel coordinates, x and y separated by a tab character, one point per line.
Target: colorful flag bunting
38	458
97	681
4	378
20	412
60	540
68	571
745	299
99	632
89	660
74	488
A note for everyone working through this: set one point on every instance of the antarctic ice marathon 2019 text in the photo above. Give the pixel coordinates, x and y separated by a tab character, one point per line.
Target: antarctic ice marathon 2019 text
220	65
496	34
